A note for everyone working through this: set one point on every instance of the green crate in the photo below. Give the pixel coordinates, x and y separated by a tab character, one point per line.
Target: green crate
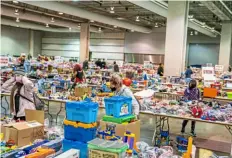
118	120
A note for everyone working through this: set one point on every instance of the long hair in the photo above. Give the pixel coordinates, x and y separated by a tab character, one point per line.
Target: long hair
12	101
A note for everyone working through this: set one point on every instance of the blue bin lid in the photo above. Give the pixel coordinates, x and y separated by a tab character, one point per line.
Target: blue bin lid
81	104
118	98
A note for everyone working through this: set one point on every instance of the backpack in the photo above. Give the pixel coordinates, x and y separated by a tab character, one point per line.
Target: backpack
39	104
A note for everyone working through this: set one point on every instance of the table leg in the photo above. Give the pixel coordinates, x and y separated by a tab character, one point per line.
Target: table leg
48	105
59	112
3	106
154	135
229	128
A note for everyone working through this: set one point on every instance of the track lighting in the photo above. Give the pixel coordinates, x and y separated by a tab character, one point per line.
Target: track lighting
52	19
137	18
16	12
17	20
112	10
47	25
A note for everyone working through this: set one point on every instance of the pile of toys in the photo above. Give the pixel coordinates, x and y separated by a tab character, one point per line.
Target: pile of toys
212	111
80	126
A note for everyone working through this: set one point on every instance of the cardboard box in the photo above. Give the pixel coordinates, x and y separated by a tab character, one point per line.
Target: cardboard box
34	115
23	133
133	127
80	91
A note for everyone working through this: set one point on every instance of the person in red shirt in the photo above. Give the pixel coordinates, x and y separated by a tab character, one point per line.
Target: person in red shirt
78	74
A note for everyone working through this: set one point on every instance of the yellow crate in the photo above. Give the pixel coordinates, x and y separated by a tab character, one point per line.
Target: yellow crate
102	154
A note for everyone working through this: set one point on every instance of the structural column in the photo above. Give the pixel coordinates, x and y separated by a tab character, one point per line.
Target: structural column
176	38
84	42
31	43
225	45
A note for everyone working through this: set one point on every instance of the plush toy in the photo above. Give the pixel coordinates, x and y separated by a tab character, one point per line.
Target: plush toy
127	82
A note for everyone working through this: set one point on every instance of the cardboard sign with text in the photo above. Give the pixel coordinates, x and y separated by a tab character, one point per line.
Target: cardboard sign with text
23	133
219	68
4	61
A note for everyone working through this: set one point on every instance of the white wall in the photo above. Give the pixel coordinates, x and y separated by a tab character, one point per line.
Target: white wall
15	41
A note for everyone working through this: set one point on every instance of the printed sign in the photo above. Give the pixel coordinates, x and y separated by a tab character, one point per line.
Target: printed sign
124	110
4	61
219	68
207	71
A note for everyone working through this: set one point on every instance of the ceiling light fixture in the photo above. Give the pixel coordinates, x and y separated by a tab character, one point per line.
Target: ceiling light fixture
52	19
120	18
156	25
203	24
79	25
196	32
191	33
15	2
16	12
70	29
137	18
17	20
91	21
115	26
112	10
99	29
191	17
60	13
47	25
132	30
17	25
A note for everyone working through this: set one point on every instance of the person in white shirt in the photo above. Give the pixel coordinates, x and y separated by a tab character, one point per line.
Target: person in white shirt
119	89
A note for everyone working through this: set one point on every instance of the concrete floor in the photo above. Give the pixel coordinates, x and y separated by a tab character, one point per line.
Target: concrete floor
209	136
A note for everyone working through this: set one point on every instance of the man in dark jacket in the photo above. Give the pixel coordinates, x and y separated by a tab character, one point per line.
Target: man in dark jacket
160	70
116	68
188	72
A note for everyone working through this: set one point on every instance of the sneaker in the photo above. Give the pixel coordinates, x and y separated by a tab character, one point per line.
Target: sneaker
193	134
182	132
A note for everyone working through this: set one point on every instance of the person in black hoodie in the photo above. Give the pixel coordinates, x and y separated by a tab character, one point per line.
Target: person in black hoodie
103	64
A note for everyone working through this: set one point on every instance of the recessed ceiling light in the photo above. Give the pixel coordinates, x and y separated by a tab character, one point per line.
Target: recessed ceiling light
156	25
137	18
60	13
15	2
47	25
112	10
16	11
115	26
17	20
91	20
52	19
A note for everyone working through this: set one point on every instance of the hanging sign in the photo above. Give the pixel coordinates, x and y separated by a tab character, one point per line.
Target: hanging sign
4	61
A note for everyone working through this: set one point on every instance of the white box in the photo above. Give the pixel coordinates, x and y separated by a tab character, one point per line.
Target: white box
72	153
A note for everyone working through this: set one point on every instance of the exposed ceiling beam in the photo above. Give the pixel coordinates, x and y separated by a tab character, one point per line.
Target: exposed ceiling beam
162	9
28	25
72	10
215	9
29	16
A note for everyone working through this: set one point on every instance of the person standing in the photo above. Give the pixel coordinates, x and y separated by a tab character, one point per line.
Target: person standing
160	70
188	72
116	67
229	69
192	93
86	64
78	74
103	64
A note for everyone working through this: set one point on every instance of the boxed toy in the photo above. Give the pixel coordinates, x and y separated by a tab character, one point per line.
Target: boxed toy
120	129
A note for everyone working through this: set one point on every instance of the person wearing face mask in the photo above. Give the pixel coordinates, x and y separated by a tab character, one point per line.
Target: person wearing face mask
192	93
119	89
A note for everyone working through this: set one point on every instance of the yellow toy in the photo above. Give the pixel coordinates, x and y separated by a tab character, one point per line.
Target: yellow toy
189	151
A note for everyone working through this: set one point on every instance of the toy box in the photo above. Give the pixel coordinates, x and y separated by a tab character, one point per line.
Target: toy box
83	111
120	129
120	120
83	147
118	106
54	144
31	148
79	133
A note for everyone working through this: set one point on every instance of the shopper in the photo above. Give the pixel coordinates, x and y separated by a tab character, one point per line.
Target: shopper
116	67
160	70
117	86
78	74
229	69
188	72
98	63
192	93
22	96
103	64
86	64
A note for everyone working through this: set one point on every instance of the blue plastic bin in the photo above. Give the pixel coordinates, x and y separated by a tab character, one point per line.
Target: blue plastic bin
79	133
118	106
83	147
83	111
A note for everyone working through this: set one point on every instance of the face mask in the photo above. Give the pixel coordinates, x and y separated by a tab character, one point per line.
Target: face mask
113	89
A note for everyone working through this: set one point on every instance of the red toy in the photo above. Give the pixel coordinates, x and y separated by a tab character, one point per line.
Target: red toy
127	82
196	111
